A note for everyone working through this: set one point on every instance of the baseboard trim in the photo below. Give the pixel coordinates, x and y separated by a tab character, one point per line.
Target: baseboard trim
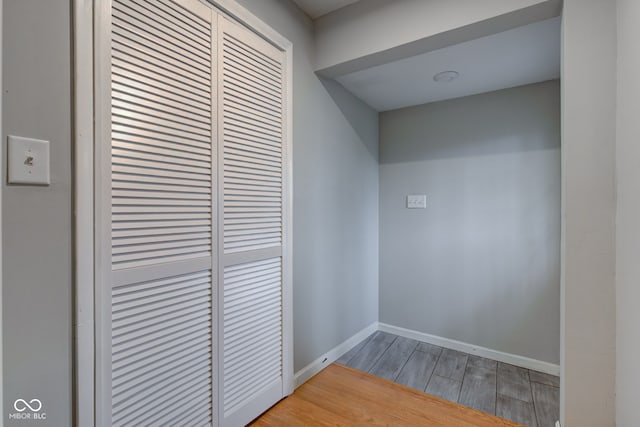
513	359
305	374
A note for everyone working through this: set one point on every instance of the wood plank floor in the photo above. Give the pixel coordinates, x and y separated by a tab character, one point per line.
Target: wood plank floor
343	396
528	397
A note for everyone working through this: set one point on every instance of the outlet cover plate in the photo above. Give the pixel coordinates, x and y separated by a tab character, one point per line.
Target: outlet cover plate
416	201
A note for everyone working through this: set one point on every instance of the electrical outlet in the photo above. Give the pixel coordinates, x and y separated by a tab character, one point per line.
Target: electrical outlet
416	201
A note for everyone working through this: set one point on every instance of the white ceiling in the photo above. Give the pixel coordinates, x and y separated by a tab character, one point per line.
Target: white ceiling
516	57
316	8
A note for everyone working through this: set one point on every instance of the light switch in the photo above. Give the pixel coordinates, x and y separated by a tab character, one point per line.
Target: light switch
416	201
28	161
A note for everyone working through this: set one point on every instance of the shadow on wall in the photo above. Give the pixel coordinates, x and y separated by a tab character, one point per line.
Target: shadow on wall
356	113
473	133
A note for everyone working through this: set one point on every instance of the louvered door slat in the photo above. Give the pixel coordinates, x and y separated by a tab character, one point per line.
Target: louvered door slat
169	390
145	126
170	120
267	57
251	85
134	95
155	61
169	115
241	103
233	52
139	371
133	146
133	157
249	96
165	19
157	35
252	75
148	175
251	148
128	37
134	154
156	75
178	12
242	114
142	167
163	124
247	137
194	400
247	151
247	121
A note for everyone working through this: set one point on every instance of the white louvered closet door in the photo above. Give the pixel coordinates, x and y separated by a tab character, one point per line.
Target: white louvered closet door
163	239
251	93
191	267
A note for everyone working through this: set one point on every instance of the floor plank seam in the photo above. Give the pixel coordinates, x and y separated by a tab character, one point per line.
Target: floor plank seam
533	401
464	374
495	406
433	371
405	363
382	354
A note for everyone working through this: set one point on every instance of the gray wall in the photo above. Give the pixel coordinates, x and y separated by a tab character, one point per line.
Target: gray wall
588	356
627	227
335	206
482	263
37	292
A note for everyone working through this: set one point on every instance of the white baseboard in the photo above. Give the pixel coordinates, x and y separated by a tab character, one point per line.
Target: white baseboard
523	362
304	374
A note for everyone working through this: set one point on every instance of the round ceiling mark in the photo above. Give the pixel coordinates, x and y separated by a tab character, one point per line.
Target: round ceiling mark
446	76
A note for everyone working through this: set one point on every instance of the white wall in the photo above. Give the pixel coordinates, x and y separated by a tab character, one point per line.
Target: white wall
372	32
481	264
588	152
37	253
335	206
628	215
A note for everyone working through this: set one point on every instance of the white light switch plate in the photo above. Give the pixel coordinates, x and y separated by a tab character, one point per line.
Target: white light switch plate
416	201
28	161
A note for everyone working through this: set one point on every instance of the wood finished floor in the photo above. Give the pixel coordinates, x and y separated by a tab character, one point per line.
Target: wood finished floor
342	396
527	397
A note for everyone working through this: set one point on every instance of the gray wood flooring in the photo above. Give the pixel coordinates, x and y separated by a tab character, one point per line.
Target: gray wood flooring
521	395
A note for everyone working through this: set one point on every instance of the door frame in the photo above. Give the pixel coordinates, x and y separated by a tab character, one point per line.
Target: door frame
1	185
89	27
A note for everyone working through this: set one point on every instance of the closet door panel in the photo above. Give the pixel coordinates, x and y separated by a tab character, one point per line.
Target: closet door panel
152	228
251	184
253	336
163	199
161	349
